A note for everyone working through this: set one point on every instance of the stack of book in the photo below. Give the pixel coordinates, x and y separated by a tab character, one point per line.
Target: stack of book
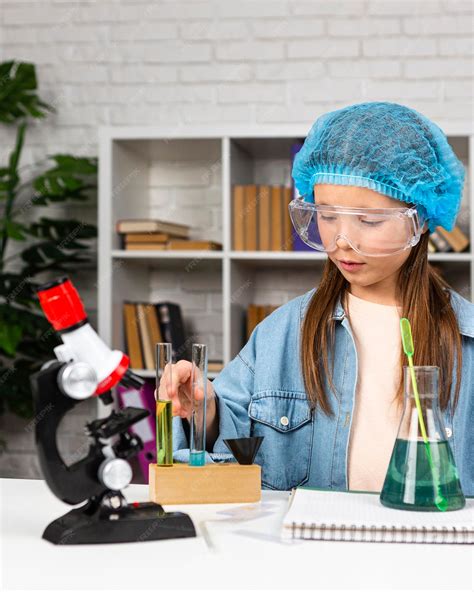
261	221
256	313
147	324
444	241
137	235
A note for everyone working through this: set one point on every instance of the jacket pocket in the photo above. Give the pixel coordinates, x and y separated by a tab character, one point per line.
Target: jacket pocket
285	420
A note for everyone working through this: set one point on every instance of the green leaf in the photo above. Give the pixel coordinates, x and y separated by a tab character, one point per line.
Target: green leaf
18	92
9	175
17	288
13	229
15	155
30	330
65	232
74	164
10	336
71	178
42	253
46	256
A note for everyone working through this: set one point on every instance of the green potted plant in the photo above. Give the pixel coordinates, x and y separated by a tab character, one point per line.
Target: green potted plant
38	250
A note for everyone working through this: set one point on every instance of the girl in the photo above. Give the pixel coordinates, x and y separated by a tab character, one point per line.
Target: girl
321	377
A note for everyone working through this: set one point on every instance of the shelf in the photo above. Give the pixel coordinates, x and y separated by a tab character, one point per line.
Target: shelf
278	255
455	257
180	255
271	260
293	256
185	174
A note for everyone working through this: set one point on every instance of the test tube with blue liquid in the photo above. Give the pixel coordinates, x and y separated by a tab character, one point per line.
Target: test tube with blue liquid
164	417
197	443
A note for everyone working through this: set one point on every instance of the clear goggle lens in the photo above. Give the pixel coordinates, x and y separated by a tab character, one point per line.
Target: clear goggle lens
374	232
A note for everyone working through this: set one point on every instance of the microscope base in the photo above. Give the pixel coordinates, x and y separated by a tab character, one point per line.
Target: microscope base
136	523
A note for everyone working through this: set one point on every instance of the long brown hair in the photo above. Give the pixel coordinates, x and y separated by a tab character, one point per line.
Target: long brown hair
425	302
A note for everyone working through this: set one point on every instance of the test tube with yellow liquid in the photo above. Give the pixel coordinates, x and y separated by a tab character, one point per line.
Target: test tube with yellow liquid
164	416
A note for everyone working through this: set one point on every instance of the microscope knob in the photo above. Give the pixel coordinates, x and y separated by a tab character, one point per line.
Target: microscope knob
78	380
115	473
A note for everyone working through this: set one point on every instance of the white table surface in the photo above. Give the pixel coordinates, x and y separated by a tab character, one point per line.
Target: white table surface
238	551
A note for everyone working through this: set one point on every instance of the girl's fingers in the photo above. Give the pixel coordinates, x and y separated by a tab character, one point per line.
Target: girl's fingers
181	373
181	404
179	389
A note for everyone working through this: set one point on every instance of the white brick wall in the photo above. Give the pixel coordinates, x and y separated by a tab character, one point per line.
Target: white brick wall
124	62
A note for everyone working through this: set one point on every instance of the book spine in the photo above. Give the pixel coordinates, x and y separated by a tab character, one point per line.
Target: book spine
153	325
165	323
172	329
145	237
181	345
238	218
252	319
264	238
276	218
250	217
132	337
287	223
147	346
180	245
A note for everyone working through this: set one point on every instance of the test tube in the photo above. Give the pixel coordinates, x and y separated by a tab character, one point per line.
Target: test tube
198	411
164	429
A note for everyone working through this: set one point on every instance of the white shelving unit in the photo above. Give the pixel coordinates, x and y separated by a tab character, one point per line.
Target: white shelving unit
185	175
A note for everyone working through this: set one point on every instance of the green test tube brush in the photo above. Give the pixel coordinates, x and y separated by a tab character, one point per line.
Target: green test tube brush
422	474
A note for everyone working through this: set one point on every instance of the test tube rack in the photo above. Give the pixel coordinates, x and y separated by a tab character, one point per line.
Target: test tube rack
213	483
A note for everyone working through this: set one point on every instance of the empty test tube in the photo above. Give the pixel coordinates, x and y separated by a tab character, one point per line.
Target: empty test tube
197	443
164	428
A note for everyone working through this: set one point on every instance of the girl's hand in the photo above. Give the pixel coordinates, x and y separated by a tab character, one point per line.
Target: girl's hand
179	389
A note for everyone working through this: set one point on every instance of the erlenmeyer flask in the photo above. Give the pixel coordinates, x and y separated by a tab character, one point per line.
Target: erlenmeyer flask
422	475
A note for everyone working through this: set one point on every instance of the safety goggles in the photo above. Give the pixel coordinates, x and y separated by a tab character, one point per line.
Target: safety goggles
374	232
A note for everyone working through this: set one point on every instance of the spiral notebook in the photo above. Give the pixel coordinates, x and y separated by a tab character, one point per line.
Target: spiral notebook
349	516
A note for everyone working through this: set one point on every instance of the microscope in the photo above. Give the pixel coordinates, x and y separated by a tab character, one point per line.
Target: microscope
86	367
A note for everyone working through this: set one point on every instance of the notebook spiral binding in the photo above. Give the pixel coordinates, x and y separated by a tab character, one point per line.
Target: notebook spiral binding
386	534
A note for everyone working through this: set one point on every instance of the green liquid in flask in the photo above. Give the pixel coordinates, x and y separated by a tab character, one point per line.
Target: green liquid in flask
412	484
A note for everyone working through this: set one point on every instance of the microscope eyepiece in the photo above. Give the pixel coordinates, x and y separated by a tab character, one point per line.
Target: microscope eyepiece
62	304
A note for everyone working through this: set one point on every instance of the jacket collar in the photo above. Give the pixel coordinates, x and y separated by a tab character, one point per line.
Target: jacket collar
463	309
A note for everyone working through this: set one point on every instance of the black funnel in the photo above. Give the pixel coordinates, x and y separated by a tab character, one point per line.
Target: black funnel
244	449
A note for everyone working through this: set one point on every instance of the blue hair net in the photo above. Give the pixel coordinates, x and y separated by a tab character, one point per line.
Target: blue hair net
389	148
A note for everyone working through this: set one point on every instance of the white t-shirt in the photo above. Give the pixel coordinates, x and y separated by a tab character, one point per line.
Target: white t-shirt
376	415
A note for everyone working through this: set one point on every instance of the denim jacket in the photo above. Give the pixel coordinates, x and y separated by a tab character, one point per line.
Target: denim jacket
261	393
